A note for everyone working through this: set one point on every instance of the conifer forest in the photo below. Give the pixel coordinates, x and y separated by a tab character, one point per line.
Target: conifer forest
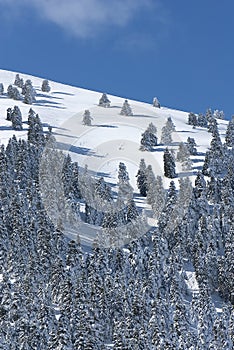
165	287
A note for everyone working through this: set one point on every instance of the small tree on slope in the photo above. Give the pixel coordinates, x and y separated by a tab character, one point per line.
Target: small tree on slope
141	178
169	164
229	138
149	138
104	101
16	119
126	109
45	87
87	119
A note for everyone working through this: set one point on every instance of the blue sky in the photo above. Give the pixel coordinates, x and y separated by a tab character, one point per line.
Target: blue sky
180	51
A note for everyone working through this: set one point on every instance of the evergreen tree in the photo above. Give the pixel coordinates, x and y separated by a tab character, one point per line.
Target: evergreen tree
166	138
45	86
126	109
125	189
183	156
229	138
191	146
35	129
1	89
159	196
16	119
156	103
104	101
13	93
149	138
142	178
28	92
9	114
132	212
202	120
166	135
169	164
170	125
150	184
218	114
122	173
87	119
213	164
212	122
192	119
19	81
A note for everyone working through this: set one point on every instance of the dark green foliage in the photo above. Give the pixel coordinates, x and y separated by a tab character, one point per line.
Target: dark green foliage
28	92
104	101
35	129
142	178
19	82
45	87
16	119
13	93
229	138
192	119
149	138
169	164
126	109
192	146
1	89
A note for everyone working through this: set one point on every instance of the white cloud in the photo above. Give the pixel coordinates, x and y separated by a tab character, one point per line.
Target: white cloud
84	18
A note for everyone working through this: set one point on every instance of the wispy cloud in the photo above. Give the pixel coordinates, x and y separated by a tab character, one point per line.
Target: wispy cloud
83	18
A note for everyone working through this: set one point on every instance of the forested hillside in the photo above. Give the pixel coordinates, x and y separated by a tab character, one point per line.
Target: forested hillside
158	273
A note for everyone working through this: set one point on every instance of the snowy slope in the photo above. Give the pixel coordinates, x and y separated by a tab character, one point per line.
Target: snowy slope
112	138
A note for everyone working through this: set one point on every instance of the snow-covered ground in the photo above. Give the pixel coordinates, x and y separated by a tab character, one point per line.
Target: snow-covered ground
112	138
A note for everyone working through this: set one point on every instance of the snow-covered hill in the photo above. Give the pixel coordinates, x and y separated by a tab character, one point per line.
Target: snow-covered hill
169	288
112	137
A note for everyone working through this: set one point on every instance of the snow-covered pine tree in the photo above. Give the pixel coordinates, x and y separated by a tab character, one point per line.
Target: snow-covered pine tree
150	184
35	129
166	135
156	103
218	114
141	178
29	92
149	138
202	120
125	189
229	137
45	86
16	119
169	164
19	81
104	101
192	146
159	196
1	89
87	118
126	109
213	163
192	119
131	212
170	125
13	93
9	114
183	156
